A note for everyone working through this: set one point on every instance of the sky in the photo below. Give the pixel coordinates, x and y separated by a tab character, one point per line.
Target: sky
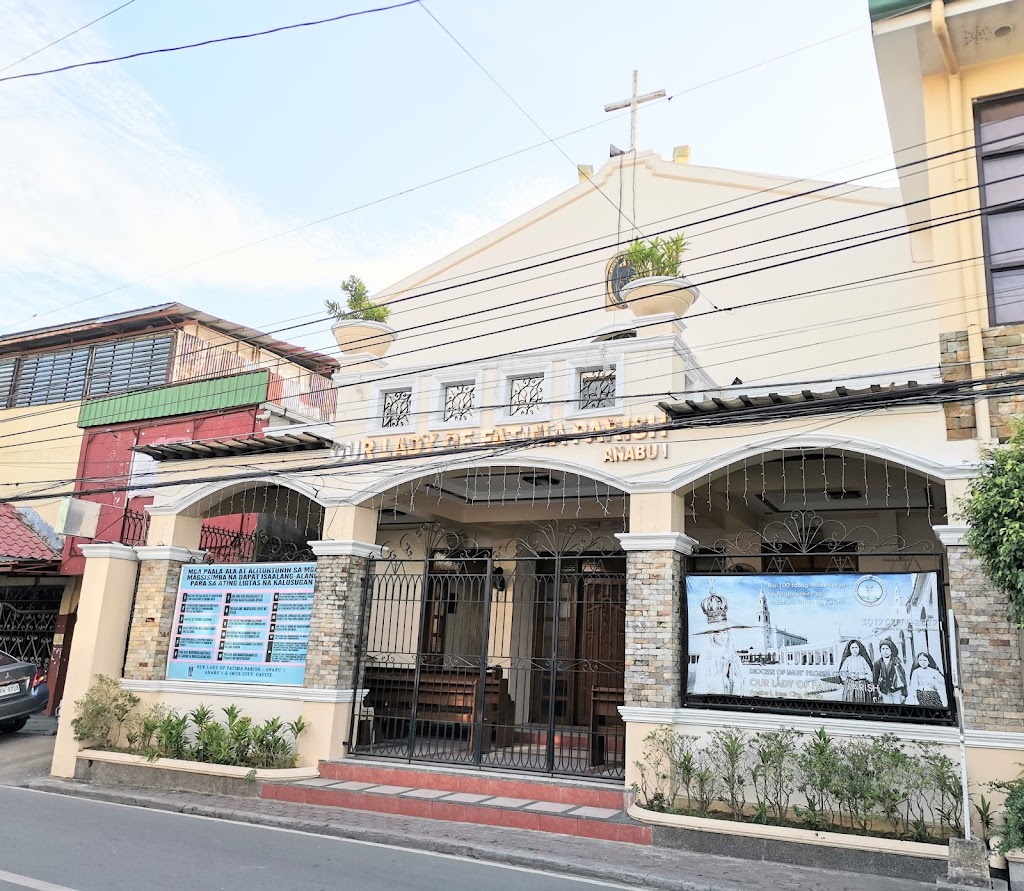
121	182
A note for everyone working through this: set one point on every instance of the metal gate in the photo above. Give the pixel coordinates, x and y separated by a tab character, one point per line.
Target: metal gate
28	621
508	656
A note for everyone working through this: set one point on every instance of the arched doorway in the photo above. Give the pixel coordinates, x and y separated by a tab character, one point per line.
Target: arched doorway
494	624
803	555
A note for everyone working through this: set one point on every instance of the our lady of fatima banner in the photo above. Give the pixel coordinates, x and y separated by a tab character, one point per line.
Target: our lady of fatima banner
868	639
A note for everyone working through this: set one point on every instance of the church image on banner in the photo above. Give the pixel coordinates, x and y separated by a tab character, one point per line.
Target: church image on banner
558	509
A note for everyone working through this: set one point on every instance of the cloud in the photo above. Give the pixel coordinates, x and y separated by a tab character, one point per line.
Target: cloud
99	192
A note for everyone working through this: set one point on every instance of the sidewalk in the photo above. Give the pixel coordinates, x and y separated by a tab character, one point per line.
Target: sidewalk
633	865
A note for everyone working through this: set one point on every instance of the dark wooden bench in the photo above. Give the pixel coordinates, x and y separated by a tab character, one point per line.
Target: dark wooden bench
607	729
448	698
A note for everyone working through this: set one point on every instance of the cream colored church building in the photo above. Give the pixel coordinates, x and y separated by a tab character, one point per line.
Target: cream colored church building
546	494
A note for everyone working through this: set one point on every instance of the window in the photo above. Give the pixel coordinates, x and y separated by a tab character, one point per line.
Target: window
597	388
52	377
459	401
1000	141
120	366
526	395
396	410
70	374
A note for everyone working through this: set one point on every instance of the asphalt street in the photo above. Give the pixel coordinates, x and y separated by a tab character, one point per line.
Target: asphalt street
56	843
27	754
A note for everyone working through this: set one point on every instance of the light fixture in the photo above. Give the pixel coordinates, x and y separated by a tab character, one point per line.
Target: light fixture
614	151
441	563
1003	30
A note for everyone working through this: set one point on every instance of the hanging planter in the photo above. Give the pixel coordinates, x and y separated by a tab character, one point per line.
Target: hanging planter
356	336
359	326
657	285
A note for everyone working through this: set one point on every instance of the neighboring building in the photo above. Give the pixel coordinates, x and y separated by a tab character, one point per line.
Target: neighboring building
77	398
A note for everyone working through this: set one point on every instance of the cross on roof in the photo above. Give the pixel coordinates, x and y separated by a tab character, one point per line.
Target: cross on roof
633	103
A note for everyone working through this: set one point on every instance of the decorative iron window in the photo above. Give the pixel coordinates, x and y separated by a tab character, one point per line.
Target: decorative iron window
597	388
459	401
526	395
397	409
1000	141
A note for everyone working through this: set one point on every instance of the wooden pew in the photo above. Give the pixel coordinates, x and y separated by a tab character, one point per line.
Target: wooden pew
445	697
607	729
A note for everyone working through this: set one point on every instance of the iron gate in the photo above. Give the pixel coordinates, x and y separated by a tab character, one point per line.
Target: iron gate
28	621
510	656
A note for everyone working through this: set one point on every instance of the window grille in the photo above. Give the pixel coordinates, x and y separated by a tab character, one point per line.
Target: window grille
397	409
459	402
597	388
526	395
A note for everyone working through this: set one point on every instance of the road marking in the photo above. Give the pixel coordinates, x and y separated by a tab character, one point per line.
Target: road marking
28	882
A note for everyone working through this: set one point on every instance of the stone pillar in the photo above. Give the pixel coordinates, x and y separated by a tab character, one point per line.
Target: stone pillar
155	598
991	670
341	570
104	611
341	576
654	617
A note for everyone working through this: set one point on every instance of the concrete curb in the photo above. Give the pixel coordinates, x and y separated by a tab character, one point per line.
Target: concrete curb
337	829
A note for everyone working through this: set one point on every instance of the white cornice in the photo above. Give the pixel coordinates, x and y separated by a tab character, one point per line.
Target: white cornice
657	541
169	552
345	548
702	717
240	691
109	551
951	535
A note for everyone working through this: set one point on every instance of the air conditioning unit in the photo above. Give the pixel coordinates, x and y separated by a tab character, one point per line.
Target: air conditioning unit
77	517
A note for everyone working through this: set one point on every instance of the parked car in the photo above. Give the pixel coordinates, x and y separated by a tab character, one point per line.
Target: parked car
23	692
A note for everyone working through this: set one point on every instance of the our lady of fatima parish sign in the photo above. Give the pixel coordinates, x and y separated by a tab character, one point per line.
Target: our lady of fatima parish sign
242	623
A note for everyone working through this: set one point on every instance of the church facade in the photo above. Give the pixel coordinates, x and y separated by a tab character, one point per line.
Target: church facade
552	515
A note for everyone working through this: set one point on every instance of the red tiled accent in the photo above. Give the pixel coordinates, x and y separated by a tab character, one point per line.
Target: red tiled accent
476	782
19	541
461	813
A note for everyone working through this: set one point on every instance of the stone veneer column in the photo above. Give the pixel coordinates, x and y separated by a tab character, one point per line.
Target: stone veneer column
341	570
991	670
654	617
155	598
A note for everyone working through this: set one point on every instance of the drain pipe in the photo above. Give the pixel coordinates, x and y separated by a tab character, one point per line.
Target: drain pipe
976	316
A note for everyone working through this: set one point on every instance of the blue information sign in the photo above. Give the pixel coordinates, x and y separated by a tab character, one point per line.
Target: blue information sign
242	623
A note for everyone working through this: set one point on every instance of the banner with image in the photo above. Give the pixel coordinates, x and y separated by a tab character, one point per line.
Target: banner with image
242	623
874	639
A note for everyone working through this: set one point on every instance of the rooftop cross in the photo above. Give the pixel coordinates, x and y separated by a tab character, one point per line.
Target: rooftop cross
633	103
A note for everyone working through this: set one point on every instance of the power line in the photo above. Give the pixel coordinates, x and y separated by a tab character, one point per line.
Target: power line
188	46
66	36
947	392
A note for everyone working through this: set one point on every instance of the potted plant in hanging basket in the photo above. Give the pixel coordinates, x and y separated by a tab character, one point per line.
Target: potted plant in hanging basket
657	285
359	324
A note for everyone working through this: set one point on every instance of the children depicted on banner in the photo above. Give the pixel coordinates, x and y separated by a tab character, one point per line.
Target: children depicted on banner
927	685
856	673
888	677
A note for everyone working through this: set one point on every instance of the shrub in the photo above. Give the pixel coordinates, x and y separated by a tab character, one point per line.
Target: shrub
101	714
1013	814
196	736
358	304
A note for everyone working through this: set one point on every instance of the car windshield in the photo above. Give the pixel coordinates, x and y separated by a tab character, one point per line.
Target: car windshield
7	660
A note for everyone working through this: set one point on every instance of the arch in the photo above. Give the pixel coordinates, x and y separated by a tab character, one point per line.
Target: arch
190	503
386	484
933	470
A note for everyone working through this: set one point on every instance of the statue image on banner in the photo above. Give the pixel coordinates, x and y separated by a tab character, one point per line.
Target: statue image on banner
873	639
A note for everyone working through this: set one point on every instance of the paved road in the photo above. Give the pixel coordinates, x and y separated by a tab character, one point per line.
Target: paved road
27	754
94	846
